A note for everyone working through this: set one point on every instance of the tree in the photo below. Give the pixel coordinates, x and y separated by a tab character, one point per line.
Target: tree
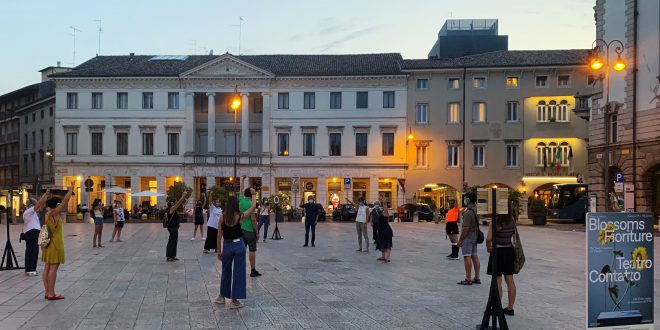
175	191
220	193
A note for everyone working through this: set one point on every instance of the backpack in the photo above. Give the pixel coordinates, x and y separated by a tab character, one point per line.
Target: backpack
480	234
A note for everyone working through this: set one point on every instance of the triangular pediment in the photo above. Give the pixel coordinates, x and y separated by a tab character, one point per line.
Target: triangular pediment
228	66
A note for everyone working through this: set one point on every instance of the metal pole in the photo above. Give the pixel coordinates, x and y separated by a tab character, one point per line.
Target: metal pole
235	147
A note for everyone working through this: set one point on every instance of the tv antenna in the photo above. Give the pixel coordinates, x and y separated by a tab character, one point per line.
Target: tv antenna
194	42
240	28
74	43
100	30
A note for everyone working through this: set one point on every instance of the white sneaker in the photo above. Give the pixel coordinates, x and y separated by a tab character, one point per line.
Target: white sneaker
206	251
203	238
31	273
192	239
220	300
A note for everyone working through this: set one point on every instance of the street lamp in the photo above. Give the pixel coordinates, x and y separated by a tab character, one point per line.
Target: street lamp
596	63
235	105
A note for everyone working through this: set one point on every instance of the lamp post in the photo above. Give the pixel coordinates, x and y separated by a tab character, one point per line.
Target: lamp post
597	63
235	105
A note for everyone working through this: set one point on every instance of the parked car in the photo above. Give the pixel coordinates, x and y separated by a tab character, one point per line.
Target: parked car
405	212
321	213
344	212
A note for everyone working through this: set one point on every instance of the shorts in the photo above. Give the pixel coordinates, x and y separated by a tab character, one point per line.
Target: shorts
199	221
98	221
250	239
469	247
119	224
452	228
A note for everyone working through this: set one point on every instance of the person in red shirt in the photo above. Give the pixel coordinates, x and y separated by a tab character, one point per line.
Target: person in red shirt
451	219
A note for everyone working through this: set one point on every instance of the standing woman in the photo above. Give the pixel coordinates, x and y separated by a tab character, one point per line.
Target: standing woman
215	212
97	210
173	226
120	219
384	241
506	228
199	221
264	218
232	252
53	254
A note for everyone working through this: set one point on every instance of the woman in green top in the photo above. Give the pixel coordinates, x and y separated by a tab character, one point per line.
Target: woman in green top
53	254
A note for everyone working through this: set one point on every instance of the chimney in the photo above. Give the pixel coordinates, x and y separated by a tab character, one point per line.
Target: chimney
211	52
131	54
58	64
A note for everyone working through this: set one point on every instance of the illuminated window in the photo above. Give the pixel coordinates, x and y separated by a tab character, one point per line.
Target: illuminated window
453	113
454	83
541	115
540	153
512	82
562	111
422	156
479	112
283	144
479	82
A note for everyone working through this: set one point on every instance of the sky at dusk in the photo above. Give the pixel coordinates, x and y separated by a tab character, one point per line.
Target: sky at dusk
36	34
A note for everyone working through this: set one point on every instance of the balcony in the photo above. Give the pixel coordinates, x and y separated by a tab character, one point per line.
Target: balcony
9	183
550	172
8	160
583	106
226	160
9	138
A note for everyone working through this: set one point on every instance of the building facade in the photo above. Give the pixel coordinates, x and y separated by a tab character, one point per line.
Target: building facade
500	119
306	124
623	135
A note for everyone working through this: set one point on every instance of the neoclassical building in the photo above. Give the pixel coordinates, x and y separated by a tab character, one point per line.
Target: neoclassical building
306	124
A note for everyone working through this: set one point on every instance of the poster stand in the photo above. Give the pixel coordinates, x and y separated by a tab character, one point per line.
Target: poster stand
276	233
8	254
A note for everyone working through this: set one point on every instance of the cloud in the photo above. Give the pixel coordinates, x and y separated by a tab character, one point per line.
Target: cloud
348	37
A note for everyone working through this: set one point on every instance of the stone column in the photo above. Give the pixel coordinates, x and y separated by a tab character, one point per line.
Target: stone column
135	188
265	126
108	184
245	123
211	123
190	122
321	194
160	187
373	190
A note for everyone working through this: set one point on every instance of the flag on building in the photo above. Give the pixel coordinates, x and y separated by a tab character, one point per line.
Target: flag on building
545	159
570	159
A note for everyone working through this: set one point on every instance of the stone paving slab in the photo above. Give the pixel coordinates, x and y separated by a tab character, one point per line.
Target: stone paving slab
129	285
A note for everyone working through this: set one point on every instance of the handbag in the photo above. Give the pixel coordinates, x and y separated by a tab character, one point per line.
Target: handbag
519	260
44	237
480	234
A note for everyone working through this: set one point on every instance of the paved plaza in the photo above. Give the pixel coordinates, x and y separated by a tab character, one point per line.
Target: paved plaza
129	284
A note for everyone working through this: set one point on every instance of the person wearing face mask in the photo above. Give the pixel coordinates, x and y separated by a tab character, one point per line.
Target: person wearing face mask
361	224
311	216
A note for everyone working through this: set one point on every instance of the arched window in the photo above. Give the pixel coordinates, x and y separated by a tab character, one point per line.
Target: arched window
540	151
552	154
540	112
562	114
565	148
552	111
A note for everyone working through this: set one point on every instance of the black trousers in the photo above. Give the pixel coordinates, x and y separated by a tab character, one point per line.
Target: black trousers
31	250
308	226
211	242
374	228
172	242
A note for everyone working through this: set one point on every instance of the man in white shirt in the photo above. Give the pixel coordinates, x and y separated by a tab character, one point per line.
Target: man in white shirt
31	229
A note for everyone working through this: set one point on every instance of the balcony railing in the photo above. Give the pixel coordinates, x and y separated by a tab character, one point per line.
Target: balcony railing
9	160
549	171
228	160
583	106
10	137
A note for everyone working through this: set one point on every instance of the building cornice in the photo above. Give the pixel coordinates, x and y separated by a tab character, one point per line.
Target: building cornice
499	68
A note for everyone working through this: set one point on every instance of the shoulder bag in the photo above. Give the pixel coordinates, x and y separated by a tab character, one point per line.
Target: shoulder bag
44	236
480	234
519	260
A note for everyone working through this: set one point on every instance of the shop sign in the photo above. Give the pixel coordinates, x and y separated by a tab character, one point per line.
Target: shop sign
629	197
618	187
620	270
309	186
347	183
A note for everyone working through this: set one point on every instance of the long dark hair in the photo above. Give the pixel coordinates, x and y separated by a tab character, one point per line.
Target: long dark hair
504	220
229	216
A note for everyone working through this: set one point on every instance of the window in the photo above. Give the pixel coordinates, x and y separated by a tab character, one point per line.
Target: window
335	144
361	144
309	100
422	83
50	111
97	143
362	100
258	105
540	112
388	144
512	151
147	100
34	139
563	80
479	82
388	99
335	100
97	100
422	113
551	110
50	135
479	112
308	144
452	155
614	128
25	165
282	100
172	143
562	111
122	143
34	117
422	156
27	141
453	113
479	156
147	143
71	143
72	100
27	119
454	83
122	100
512	111
42	114
541	81
512	82
41	137
564	149
541	157
283	144
173	102
591	80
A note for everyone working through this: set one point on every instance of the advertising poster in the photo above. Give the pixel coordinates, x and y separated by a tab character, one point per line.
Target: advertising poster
483	201
620	270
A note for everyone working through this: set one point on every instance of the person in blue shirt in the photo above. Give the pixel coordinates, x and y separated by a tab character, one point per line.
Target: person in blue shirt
311	216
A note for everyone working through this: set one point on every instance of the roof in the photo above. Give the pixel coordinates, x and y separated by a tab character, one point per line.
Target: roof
280	65
504	58
44	89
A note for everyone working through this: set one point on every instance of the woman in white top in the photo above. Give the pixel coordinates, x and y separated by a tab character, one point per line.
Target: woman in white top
264	217
120	219
31	229
361	224
214	212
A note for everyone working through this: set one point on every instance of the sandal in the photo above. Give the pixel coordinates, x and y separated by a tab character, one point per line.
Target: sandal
476	281
465	282
55	297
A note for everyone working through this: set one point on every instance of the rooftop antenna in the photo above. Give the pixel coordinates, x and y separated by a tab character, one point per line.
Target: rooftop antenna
74	43
100	30
194	42
240	28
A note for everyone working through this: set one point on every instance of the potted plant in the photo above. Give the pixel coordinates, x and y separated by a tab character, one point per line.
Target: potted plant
174	192
539	212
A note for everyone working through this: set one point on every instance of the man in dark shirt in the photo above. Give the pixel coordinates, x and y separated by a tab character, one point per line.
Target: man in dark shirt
311	215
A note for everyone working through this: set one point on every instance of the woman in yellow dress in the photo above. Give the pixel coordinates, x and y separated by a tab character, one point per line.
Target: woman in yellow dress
53	254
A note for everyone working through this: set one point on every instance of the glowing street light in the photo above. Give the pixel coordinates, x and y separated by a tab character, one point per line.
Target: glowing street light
619	64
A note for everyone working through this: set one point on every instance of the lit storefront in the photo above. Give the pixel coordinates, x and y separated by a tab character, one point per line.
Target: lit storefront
438	195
